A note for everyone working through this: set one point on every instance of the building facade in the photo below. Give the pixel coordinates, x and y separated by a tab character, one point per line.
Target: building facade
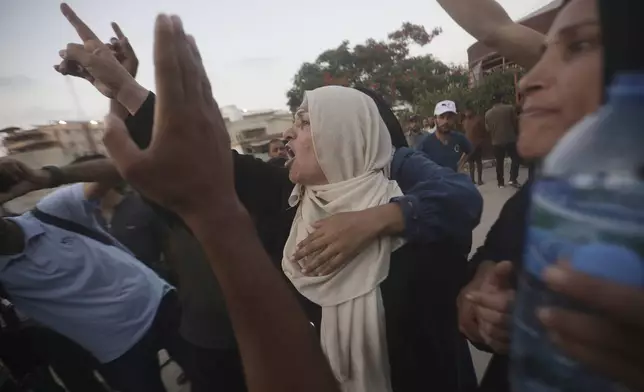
251	131
75	138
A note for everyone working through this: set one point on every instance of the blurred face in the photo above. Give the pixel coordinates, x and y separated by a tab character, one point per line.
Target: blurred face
277	150
566	84
425	123
302	161
445	122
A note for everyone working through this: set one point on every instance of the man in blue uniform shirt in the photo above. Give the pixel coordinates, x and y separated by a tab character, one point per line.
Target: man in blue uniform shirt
446	146
89	288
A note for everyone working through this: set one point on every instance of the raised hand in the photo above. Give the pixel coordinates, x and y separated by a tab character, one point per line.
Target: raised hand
93	60
188	165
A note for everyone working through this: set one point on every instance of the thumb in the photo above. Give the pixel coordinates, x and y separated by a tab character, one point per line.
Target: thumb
125	154
501	274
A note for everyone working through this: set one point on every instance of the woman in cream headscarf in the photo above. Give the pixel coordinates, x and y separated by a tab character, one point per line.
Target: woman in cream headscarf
341	153
419	287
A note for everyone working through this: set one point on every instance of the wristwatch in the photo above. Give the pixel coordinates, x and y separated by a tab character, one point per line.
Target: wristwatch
56	176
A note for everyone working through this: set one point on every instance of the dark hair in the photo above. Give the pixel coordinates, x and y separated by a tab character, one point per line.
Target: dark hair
88	157
398	139
275	141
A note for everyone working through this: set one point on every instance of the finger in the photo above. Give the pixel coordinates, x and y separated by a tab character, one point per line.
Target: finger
629	373
314	242
499	346
206	88
187	62
118	31
315	266
332	266
592	331
501	275
500	301
621	302
77	53
84	32
500	320
125	154
166	66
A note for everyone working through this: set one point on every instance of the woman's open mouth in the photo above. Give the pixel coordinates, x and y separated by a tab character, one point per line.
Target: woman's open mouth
291	156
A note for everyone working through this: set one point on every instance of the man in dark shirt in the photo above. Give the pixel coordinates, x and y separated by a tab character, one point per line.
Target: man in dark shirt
414	132
446	146
502	123
475	132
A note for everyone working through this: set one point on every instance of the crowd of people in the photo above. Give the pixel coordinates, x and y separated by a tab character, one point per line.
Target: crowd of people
339	265
439	138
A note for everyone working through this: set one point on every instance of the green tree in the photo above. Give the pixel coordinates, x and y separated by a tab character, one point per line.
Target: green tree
500	83
384	66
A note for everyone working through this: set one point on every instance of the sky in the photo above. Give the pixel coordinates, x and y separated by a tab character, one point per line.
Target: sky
251	48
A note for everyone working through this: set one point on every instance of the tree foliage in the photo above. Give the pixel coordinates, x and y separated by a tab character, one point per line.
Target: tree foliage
416	82
384	66
495	86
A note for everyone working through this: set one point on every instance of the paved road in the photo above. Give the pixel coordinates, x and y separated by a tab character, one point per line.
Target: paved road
494	199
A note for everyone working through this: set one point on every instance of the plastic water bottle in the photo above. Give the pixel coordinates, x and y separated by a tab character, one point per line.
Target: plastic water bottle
587	208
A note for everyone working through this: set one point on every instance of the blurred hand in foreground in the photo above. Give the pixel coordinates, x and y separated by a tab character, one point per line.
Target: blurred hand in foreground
188	165
609	341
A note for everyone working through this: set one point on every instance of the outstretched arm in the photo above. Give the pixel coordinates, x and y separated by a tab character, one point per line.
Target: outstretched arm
488	22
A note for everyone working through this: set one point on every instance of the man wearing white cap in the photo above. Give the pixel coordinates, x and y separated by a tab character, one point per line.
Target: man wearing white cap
445	146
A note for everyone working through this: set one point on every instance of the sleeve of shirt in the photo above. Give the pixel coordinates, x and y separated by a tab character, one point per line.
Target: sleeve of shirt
71	204
438	202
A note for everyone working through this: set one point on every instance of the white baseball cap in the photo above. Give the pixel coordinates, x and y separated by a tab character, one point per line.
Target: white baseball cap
444	107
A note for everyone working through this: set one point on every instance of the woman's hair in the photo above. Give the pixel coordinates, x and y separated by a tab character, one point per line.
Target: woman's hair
396	133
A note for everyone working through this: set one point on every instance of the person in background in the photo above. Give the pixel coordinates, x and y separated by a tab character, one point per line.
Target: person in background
474	127
63	271
277	152
127	218
447	147
415	133
502	124
429	125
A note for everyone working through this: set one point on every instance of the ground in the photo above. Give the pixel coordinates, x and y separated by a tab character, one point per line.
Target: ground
494	199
